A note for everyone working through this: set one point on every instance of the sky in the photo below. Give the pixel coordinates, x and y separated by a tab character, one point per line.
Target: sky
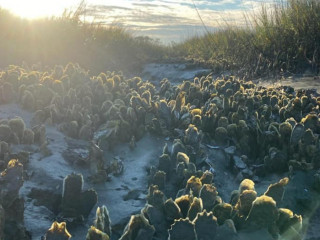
166	20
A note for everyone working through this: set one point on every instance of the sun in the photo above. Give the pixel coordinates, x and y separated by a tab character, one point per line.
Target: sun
32	9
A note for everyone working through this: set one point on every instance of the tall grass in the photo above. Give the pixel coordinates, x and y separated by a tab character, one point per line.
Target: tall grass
283	38
58	40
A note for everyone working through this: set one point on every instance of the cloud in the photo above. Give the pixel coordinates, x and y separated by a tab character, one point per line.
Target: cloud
166	19
151	5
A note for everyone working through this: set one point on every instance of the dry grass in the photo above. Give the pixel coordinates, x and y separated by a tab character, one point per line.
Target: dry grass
59	40
285	38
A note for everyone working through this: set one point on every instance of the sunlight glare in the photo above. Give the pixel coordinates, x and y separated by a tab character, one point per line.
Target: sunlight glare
37	8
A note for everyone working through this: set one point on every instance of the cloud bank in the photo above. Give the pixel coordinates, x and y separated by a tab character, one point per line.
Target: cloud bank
172	20
166	20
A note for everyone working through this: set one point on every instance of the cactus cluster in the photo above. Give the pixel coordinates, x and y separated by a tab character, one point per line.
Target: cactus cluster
272	129
277	127
14	131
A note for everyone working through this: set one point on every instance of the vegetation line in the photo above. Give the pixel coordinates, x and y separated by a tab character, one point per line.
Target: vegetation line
283	39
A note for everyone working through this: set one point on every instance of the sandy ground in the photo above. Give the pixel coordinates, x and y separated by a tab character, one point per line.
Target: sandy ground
296	82
176	73
48	173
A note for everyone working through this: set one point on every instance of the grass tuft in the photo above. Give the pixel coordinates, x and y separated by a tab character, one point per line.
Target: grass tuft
283	38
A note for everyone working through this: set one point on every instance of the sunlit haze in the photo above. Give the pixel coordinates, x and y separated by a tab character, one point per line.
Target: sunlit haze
36	8
168	20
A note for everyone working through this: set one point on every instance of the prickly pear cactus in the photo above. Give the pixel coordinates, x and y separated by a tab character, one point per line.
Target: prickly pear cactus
263	213
172	210
223	212
244	203
76	202
96	234
208	194
276	190
138	228
206	225
195	208
102	221
182	229
57	231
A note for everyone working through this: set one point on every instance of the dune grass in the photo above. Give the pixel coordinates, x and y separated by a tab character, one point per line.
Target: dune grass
59	40
284	38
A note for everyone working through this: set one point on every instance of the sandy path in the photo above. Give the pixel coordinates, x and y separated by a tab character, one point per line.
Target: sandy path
296	82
